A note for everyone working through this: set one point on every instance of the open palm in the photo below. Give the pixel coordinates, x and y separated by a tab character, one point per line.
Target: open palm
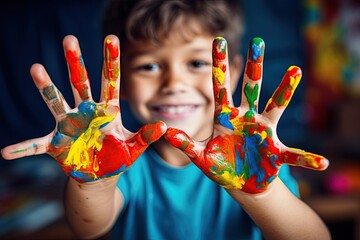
89	141
244	151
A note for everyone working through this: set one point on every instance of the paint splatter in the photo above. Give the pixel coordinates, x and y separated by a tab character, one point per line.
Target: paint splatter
78	73
248	159
255	59
53	99
285	91
80	145
111	69
86	153
224	114
251	94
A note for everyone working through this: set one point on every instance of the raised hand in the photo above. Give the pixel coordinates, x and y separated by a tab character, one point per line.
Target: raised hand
89	141
244	151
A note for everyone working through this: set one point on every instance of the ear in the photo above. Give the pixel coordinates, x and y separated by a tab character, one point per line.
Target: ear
236	66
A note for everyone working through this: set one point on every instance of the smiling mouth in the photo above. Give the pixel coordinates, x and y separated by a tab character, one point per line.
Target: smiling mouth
174	111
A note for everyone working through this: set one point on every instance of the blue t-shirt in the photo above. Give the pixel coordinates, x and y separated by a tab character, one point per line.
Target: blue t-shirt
164	202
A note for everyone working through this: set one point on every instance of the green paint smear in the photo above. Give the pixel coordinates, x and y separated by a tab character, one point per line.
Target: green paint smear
147	136
255	53
18	151
49	92
251	95
258	41
184	145
280	99
269	132
246	172
249	115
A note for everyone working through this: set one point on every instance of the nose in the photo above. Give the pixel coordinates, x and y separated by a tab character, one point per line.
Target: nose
174	81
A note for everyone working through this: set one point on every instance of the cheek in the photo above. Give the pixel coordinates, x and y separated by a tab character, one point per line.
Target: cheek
139	95
135	89
206	89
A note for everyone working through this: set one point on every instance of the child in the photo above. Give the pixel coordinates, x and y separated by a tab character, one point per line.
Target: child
169	54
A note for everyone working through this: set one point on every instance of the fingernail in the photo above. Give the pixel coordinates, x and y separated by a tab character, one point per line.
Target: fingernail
294	74
219	48
256	49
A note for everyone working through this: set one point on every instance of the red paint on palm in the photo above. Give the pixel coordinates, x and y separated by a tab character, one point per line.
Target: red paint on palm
113	155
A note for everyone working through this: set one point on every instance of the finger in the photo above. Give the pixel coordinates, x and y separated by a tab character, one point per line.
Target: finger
253	75
51	95
77	71
182	141
224	106
111	70
283	94
144	137
221	76
30	147
297	157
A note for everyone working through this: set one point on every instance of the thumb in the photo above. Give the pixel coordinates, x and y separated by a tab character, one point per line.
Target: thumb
182	141
301	158
145	136
151	132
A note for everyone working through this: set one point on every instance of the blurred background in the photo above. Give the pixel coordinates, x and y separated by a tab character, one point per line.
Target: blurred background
322	37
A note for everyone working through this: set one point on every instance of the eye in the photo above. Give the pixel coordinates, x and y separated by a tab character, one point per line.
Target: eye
148	67
198	64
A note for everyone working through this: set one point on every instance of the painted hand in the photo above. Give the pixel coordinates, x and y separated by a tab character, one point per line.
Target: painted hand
244	151
89	141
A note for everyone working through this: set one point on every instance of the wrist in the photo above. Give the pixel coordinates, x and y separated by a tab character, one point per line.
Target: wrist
92	207
104	184
280	214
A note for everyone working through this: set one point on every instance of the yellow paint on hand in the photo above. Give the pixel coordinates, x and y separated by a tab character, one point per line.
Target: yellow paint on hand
238	125
225	109
263	135
228	180
232	181
218	75
78	156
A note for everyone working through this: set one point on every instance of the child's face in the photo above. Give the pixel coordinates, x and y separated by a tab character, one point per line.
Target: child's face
171	82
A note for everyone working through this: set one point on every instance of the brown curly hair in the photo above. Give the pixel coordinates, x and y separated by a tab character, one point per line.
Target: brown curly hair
152	20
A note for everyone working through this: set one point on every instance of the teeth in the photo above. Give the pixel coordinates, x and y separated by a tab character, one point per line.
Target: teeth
175	109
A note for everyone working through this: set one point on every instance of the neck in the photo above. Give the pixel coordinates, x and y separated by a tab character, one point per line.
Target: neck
170	154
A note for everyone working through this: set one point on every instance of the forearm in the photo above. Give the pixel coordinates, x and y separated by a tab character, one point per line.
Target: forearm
92	208
281	215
